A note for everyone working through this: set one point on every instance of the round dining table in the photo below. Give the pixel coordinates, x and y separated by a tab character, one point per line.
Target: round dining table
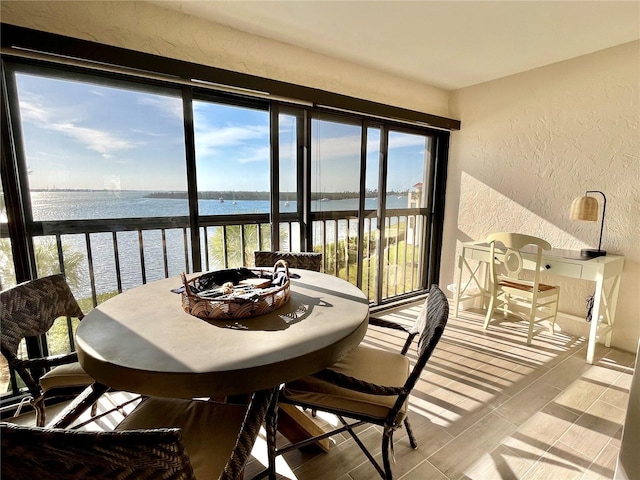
143	341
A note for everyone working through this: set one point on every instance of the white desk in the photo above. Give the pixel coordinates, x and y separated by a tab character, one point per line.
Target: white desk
566	263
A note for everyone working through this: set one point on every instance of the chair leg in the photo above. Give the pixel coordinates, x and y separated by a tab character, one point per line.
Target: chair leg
80	404
487	319
507	305
555	315
271	427
41	415
412	440
532	321
387	440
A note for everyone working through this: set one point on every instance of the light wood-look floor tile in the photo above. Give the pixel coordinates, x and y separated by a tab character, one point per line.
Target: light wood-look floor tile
488	406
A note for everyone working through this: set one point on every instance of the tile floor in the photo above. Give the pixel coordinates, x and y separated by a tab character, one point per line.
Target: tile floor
488	407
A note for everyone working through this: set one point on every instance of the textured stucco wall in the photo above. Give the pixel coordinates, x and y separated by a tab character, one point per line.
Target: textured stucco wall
530	144
148	28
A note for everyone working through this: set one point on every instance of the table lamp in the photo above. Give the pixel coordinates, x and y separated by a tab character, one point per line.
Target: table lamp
586	208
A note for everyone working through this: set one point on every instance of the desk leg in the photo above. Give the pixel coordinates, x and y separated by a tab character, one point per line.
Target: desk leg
613	303
458	284
595	319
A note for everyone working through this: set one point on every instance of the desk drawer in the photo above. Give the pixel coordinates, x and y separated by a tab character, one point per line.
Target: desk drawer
478	255
573	270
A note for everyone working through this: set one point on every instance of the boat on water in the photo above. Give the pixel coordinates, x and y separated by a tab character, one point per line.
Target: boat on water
221	200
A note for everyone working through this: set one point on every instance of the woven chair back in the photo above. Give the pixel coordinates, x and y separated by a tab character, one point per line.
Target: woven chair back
305	260
29	309
435	315
55	454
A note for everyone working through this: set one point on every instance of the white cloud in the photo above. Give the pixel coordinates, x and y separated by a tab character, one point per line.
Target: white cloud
211	141
260	154
169	106
405	140
98	140
336	147
33	113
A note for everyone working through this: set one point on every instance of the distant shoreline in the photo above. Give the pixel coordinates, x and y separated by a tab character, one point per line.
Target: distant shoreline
228	195
248	195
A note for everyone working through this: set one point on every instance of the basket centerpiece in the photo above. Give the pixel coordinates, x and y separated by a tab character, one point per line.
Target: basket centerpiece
237	292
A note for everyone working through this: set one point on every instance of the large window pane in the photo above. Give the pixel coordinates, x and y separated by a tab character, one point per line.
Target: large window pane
406	169
288	184
96	151
102	149
232	159
373	169
335	165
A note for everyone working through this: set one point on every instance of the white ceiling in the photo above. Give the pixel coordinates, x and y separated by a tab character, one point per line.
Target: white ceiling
447	44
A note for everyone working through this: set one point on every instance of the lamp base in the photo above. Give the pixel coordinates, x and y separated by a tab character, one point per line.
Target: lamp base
592	253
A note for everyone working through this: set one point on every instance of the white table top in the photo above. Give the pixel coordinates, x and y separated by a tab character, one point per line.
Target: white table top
143	341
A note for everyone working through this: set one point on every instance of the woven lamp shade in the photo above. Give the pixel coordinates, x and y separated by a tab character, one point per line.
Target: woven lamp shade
584	208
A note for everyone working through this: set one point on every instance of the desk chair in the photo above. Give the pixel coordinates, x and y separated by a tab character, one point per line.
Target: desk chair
306	260
509	290
29	310
368	385
161	439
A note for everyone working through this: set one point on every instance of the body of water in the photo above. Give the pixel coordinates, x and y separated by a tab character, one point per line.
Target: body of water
59	205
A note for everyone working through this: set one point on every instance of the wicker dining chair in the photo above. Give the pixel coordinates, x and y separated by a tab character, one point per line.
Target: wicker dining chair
29	310
306	260
369	385
161	439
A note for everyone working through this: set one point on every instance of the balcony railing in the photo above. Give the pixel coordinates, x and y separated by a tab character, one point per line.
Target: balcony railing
102	258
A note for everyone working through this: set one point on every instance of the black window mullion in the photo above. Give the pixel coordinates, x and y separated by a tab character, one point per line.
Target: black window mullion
192	184
382	201
274	129
440	160
361	202
14	181
305	183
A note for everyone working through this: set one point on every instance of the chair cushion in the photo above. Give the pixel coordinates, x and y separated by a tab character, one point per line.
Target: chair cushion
209	429
68	375
372	365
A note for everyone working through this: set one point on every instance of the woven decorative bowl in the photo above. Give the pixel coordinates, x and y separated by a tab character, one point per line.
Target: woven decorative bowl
242	298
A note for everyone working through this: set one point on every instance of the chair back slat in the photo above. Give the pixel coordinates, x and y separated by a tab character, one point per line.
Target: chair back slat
511	265
30	308
56	454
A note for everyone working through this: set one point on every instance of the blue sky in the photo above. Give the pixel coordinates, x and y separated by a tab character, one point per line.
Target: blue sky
88	136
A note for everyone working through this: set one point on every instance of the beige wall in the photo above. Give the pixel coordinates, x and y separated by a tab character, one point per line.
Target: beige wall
529	143
148	28
532	142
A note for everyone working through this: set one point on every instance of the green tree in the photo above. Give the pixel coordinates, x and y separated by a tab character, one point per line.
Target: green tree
47	262
233	242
